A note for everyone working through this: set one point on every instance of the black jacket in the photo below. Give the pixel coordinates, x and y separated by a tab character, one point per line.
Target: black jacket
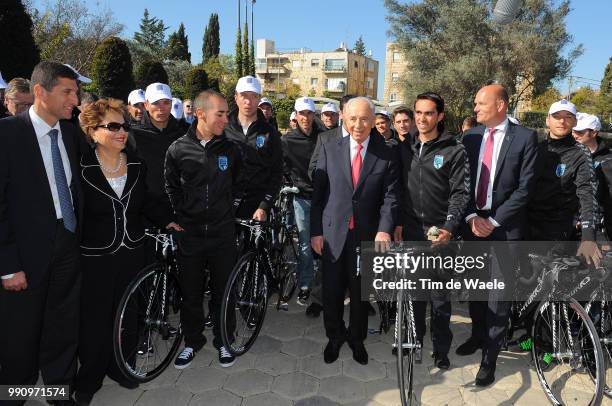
151	145
297	151
436	185
324	137
565	187
393	140
602	164
203	183
262	156
109	221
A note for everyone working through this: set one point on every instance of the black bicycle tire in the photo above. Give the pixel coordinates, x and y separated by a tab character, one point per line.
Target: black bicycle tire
402	324
291	275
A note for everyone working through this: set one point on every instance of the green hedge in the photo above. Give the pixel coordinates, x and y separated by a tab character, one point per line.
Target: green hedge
533	119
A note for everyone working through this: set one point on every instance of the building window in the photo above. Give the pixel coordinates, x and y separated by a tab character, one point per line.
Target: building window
336	84
335	64
314	62
369	82
392	97
314	82
356	64
395	77
296	81
370	66
396	56
296	64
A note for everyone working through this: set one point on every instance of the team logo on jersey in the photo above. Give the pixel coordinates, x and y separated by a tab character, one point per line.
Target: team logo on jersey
596	164
560	170
438	161
260	141
223	162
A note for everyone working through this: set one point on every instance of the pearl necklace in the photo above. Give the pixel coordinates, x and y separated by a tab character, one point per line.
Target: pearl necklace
108	170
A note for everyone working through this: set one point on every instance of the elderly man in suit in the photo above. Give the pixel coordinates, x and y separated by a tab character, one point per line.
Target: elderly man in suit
355	199
40	196
502	158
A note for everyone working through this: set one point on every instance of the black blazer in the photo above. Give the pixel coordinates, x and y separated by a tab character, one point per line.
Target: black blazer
109	221
513	183
323	138
27	215
374	202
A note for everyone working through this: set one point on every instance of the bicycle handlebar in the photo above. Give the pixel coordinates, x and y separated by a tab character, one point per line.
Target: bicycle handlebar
289	190
253	223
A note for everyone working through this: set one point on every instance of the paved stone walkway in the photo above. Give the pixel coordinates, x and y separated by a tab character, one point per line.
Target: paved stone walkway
285	367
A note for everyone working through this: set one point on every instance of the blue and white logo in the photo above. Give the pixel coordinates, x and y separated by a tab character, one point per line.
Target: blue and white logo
223	162
438	161
560	170
260	141
596	164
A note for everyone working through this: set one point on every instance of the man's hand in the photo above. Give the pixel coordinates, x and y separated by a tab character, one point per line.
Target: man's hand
382	242
317	244
260	215
174	226
397	233
481	227
590	252
443	237
16	283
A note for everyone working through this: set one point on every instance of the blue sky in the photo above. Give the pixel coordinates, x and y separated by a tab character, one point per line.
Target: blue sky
322	24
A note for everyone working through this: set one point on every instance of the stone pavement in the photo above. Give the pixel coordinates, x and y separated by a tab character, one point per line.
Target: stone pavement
285	367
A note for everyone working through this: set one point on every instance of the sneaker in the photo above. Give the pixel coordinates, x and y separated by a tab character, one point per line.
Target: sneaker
226	359
303	296
284	305
184	358
208	322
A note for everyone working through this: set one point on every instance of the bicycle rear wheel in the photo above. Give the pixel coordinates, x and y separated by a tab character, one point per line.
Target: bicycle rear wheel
286	266
600	310
244	304
405	342
567	354
147	326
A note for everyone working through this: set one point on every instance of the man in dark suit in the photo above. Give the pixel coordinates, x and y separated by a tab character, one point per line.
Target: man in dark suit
39	227
502	158
355	199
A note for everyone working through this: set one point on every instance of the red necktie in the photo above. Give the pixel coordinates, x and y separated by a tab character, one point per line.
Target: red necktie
355	171
485	170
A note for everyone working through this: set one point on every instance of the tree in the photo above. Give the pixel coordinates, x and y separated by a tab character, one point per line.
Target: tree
212	42
542	102
221	72
177	72
111	69
68	31
605	96
360	47
19	51
246	58
150	72
453	47
252	59
585	100
195	82
178	47
152	33
238	54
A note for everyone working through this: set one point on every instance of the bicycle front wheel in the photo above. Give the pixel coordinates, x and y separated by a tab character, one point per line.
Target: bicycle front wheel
567	354
286	265
147	330
244	304
405	342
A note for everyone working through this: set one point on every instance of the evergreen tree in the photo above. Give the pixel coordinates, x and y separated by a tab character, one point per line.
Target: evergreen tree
246	58
606	83
252	59
178	47
152	33
360	46
212	42
111	69
195	82
239	54
19	51
150	72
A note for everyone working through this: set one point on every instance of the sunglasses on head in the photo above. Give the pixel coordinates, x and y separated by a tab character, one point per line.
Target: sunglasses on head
114	127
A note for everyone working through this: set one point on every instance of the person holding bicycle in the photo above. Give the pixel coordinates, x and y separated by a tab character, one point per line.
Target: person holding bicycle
112	251
202	173
298	146
437	159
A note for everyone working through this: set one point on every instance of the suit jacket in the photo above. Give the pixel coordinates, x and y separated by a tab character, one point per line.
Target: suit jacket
513	182
323	138
27	215
373	202
110	221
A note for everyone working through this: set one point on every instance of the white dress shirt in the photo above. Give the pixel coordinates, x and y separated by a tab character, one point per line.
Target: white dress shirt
353	146
344	132
500	134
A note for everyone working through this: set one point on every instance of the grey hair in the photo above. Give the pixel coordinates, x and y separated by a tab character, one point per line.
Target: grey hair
360	98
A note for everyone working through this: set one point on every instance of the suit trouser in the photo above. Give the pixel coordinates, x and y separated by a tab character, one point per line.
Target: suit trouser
490	318
41	324
441	334
337	277
105	279
220	256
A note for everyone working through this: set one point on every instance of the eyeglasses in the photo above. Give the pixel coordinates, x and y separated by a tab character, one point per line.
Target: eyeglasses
188	106
114	127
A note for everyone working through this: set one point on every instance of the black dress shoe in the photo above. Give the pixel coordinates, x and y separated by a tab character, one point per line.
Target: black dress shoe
313	310
332	351
442	361
359	352
485	376
469	347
